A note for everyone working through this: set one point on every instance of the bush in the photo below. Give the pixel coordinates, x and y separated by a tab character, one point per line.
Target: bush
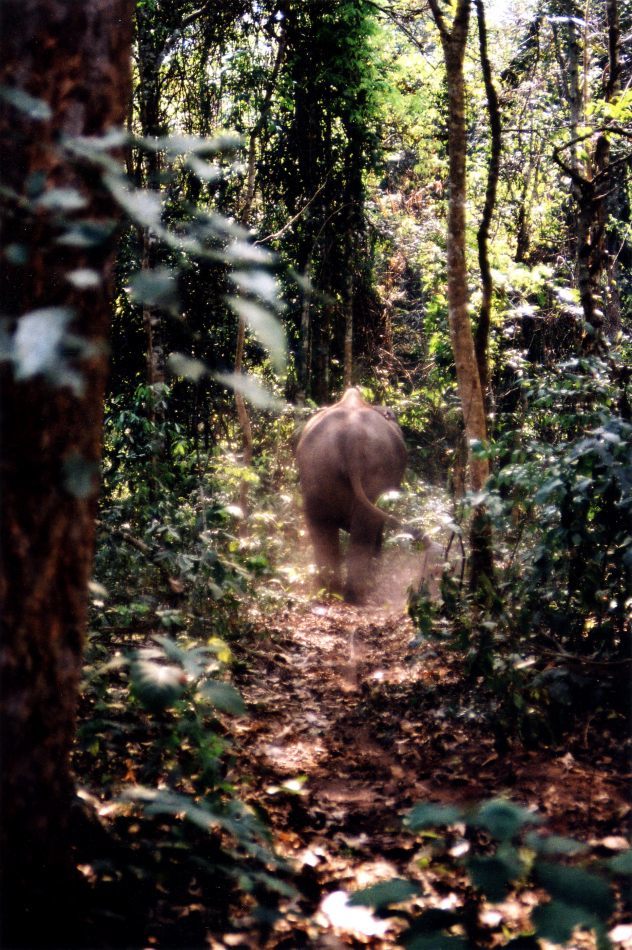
500	850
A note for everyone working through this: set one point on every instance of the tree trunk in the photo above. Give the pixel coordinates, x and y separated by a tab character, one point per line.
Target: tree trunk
244	421
304	354
245	215
347	376
481	339
528	192
591	183
150	43
453	41
255	135
76	58
606	257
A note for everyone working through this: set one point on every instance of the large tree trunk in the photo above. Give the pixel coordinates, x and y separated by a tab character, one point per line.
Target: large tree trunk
76	58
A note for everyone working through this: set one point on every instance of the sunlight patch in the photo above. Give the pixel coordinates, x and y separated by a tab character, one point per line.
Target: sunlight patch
358	920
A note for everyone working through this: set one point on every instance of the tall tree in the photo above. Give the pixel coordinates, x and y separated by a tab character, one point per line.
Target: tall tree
64	73
314	165
453	42
586	156
481	338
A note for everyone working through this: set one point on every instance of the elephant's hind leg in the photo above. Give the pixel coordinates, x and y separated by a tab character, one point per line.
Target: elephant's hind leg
364	547
326	541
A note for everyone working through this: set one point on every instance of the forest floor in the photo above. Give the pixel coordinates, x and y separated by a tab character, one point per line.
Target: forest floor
350	726
350	723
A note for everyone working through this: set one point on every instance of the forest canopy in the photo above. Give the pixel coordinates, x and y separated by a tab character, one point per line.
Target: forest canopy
217	218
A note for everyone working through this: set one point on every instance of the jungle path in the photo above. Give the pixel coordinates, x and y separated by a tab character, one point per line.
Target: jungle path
350	726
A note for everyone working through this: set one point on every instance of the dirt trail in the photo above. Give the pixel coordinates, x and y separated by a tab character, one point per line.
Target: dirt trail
340	702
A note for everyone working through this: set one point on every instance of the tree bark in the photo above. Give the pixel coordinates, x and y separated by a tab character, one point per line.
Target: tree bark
245	214
76	58
347	376
453	41
481	338
255	135
588	178
150	52
591	184
244	420
607	260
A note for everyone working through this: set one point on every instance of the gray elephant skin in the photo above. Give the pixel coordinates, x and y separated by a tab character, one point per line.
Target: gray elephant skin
347	456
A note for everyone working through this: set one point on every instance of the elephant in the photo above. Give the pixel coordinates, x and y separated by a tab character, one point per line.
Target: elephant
348	455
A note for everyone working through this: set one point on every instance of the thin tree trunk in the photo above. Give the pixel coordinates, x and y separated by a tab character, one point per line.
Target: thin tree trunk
255	135
242	409
614	44
453	41
468	379
591	185
607	264
528	192
481	339
51	441
304	368
244	419
150	43
348	309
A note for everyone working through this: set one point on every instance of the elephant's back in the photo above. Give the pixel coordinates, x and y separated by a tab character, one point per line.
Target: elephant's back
320	454
376	449
341	440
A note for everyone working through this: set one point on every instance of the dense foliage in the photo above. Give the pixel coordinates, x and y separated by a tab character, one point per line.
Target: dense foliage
342	114
283	184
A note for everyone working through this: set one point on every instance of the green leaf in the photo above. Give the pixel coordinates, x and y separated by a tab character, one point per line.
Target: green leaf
258	283
523	943
203	170
143	206
245	252
479	449
87	233
224	697
157	686
38	339
431	921
94	146
175	145
576	887
238	821
504	819
194	660
17	254
36	109
266	328
421	817
61	199
557	920
622	864
387	892
181	365
155	288
83	278
251	389
547	489
549	845
81	476
493	875
434	942
164	802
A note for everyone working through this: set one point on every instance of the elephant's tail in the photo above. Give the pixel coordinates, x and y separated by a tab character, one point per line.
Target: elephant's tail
370	508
